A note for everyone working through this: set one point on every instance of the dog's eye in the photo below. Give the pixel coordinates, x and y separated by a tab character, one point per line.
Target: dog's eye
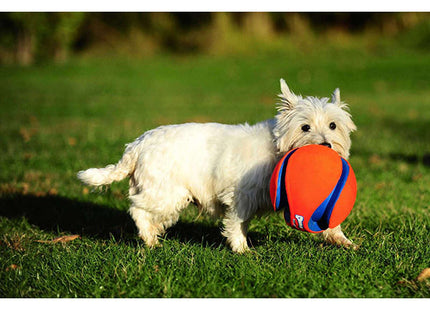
306	128
332	125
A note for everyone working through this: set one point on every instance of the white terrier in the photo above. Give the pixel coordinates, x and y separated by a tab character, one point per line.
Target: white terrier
223	169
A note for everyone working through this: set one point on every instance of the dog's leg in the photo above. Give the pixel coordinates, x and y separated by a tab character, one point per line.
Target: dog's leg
235	231
337	237
153	215
148	229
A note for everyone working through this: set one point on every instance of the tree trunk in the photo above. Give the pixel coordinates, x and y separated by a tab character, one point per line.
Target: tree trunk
24	47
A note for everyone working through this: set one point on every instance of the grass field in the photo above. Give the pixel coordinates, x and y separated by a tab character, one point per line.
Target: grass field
58	119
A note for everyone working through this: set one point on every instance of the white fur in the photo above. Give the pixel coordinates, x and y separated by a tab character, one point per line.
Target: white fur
223	169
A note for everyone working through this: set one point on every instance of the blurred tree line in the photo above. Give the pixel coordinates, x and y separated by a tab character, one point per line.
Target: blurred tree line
27	37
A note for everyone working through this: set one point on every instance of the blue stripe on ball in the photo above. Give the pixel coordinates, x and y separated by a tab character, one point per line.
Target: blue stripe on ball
321	217
281	194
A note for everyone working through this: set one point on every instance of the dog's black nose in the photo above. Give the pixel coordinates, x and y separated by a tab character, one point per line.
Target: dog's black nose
326	144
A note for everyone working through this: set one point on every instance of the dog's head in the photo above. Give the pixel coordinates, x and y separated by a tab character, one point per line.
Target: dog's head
302	121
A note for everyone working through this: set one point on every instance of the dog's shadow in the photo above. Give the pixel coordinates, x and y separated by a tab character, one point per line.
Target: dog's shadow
58	214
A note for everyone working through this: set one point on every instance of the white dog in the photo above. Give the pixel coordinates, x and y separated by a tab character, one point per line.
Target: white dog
223	169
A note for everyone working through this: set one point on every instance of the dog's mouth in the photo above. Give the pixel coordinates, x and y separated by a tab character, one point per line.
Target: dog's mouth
337	147
326	144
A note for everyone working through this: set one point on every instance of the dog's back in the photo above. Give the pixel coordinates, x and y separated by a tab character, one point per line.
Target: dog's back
207	164
205	160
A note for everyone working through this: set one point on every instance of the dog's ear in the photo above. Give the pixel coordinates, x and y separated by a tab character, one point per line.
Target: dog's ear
288	98
335	97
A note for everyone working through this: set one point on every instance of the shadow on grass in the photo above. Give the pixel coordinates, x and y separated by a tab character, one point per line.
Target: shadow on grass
60	214
412	133
55	213
196	233
415	131
411	159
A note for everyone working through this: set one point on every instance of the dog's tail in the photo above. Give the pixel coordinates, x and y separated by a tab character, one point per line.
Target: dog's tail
111	173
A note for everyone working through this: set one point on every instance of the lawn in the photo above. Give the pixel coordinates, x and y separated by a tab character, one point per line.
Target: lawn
58	119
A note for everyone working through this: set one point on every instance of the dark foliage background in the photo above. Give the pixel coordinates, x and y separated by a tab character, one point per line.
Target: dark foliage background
29	37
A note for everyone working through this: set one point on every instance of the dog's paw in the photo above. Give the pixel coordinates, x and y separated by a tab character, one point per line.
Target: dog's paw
151	243
155	246
339	239
351	245
335	236
240	248
346	243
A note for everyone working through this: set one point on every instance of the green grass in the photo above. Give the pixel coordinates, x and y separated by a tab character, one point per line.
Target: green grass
58	119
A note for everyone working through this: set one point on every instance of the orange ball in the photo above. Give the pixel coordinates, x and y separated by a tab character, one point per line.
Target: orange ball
316	187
